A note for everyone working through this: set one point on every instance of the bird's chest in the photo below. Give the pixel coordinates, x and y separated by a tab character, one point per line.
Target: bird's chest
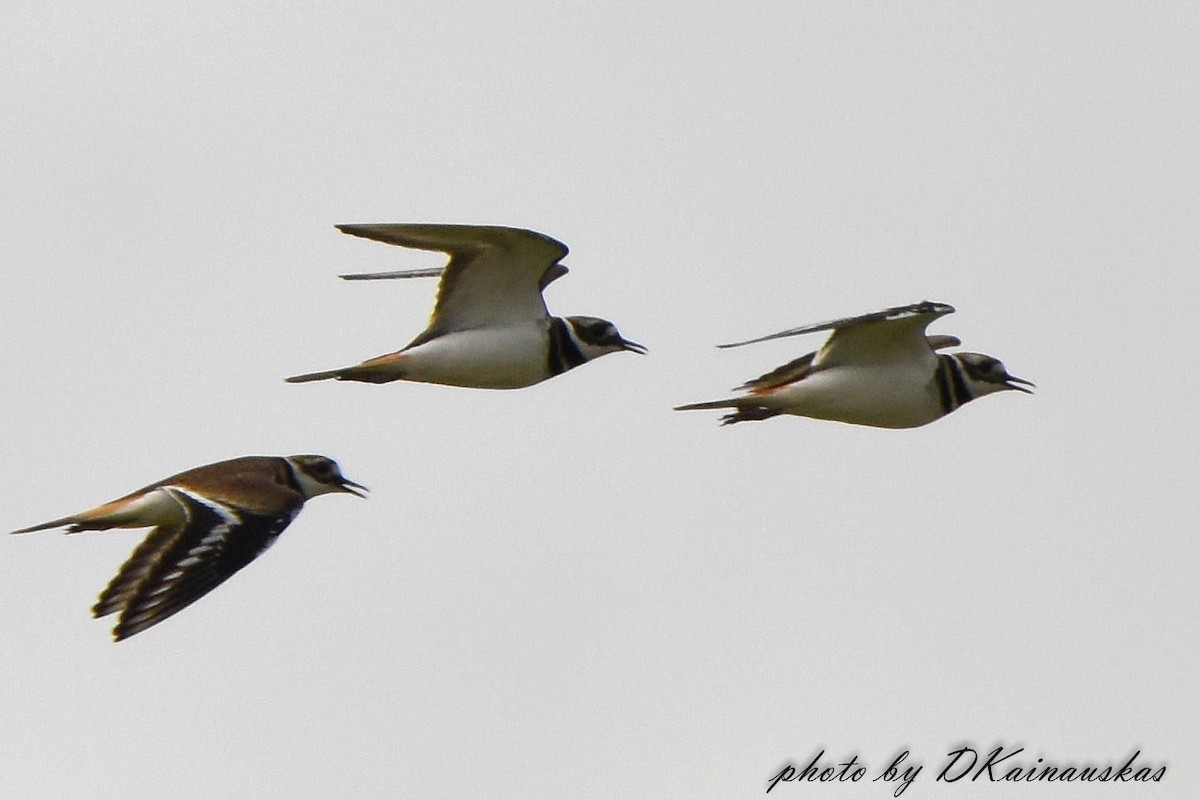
492	358
886	396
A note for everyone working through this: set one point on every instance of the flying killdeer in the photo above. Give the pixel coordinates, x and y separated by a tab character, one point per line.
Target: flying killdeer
490	328
208	522
879	369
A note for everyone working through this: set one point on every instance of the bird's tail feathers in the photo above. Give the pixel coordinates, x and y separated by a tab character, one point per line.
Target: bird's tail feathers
315	376
376	370
732	402
745	409
100	518
45	526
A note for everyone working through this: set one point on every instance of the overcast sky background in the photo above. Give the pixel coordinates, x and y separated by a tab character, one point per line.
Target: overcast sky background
570	590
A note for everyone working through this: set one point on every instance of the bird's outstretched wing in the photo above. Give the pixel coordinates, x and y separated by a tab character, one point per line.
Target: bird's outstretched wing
495	275
178	563
799	368
870	337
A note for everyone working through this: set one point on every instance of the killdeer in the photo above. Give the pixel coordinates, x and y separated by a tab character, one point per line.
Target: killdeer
490	328
879	369
208	522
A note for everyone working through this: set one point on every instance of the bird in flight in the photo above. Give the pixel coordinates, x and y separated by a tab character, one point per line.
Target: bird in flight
880	370
490	328
208	522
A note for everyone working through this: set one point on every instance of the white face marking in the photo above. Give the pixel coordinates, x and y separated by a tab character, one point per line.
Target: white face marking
985	374
310	486
596	337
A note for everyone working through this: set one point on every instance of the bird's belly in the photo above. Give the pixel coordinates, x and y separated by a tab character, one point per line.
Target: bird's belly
497	358
880	398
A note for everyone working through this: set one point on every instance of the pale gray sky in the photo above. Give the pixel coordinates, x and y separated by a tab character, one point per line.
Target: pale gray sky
570	590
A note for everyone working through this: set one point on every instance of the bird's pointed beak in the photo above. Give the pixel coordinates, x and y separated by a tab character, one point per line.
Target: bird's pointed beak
350	487
1011	382
633	347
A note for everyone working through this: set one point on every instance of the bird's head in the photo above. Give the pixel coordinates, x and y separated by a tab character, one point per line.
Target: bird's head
988	375
320	475
597	337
